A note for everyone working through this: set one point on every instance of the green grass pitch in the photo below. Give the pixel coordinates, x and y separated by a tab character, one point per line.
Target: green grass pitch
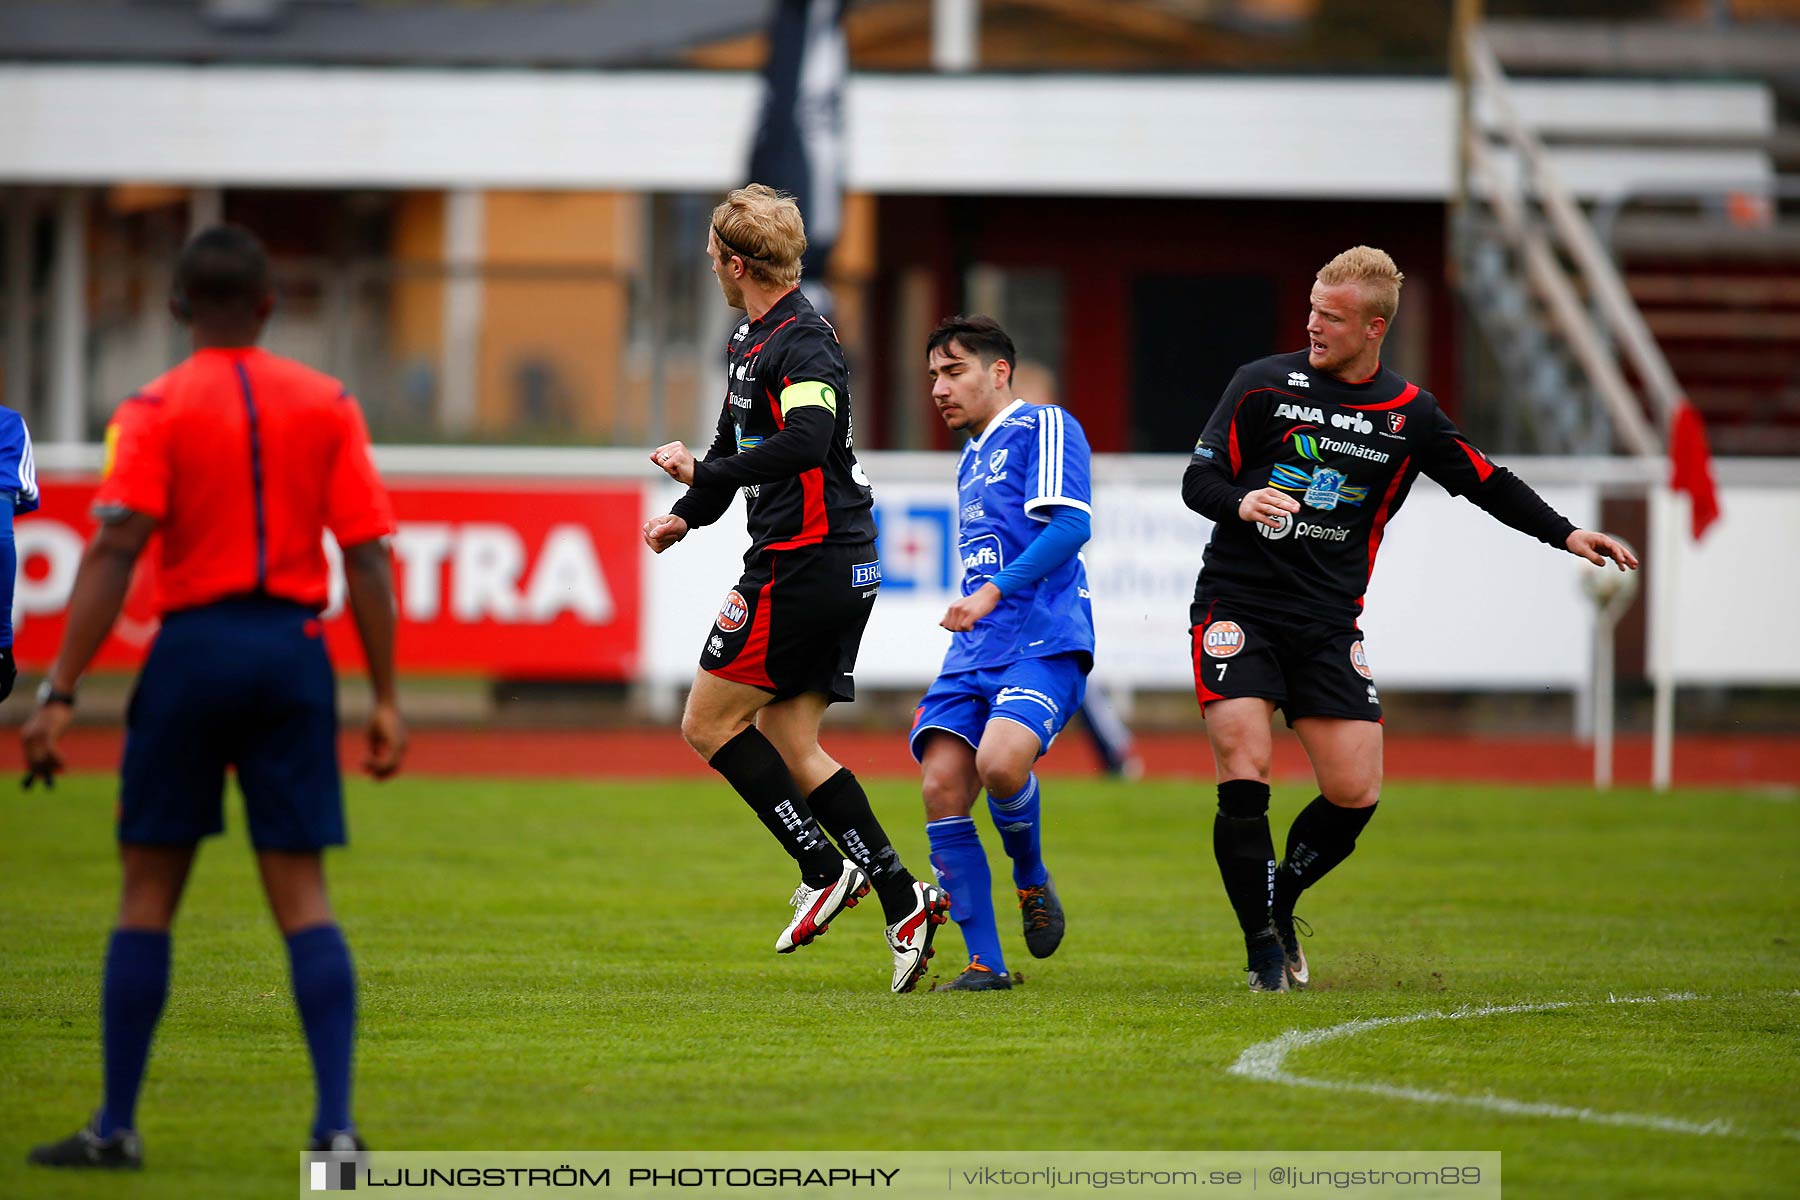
589	966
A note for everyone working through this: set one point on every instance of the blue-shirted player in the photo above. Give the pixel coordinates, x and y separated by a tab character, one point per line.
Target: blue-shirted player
18	494
1018	664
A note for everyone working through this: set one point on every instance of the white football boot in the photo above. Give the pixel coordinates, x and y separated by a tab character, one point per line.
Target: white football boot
815	907
910	937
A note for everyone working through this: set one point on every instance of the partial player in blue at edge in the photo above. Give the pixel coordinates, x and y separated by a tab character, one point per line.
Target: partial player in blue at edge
18	495
1023	642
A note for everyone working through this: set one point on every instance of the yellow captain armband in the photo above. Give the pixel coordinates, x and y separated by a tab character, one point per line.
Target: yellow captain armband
112	451
799	395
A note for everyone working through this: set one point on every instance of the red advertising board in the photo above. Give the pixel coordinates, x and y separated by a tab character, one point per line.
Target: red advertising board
506	578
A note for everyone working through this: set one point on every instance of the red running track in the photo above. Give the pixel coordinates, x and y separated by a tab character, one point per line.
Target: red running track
660	753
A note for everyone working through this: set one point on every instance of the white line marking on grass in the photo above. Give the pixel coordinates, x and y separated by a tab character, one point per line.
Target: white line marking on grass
1665	998
1267	1062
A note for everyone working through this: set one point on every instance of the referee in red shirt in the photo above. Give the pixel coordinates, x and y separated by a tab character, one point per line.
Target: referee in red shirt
240	460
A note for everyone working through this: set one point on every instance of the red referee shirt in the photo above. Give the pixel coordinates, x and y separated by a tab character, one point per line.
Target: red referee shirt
244	458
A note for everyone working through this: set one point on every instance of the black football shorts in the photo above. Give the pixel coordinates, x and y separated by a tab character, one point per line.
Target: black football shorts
1308	668
795	621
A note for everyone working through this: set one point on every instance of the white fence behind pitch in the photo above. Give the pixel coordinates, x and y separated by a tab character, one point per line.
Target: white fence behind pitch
1458	601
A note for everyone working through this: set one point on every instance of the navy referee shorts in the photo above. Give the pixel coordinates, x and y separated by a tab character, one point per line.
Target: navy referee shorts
242	683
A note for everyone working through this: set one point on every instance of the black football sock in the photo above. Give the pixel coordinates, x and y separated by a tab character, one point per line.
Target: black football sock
752	765
1244	850
843	809
1321	837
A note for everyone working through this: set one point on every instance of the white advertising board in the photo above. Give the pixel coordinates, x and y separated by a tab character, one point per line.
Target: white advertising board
1458	600
1734	610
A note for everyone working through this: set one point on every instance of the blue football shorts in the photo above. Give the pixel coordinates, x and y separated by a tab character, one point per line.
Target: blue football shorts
243	684
1038	693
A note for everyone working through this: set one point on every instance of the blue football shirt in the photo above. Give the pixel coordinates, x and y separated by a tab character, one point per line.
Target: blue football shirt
1028	460
18	473
18	484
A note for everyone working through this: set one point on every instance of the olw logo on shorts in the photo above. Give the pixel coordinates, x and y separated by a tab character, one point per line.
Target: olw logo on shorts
733	612
1224	639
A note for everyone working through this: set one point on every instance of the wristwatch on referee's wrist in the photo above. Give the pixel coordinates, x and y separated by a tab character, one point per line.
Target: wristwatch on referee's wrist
47	694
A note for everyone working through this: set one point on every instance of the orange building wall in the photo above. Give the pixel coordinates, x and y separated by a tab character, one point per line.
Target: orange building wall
558	298
417	312
555	300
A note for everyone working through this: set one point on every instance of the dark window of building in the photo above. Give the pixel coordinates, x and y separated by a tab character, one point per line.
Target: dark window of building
1188	334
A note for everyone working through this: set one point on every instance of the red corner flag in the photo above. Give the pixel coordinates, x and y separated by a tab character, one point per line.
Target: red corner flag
1691	462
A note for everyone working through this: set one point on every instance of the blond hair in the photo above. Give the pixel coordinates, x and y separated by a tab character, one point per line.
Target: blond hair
1374	271
763	227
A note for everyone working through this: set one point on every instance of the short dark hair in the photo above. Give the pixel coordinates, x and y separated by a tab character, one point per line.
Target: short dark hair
222	270
979	335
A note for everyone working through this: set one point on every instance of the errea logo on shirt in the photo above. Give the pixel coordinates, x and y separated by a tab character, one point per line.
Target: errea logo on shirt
1298	379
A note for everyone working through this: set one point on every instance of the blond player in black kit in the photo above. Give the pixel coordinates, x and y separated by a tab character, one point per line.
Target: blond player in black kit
1306	459
784	643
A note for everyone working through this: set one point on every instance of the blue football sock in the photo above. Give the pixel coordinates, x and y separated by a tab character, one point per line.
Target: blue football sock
325	992
135	986
962	868
1016	817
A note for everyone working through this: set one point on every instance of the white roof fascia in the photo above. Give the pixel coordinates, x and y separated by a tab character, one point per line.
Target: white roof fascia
1175	136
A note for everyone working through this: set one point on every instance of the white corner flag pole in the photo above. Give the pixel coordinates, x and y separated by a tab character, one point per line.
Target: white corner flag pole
1612	592
1663	536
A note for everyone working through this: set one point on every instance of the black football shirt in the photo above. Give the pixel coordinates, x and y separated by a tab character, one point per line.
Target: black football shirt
784	436
1349	453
